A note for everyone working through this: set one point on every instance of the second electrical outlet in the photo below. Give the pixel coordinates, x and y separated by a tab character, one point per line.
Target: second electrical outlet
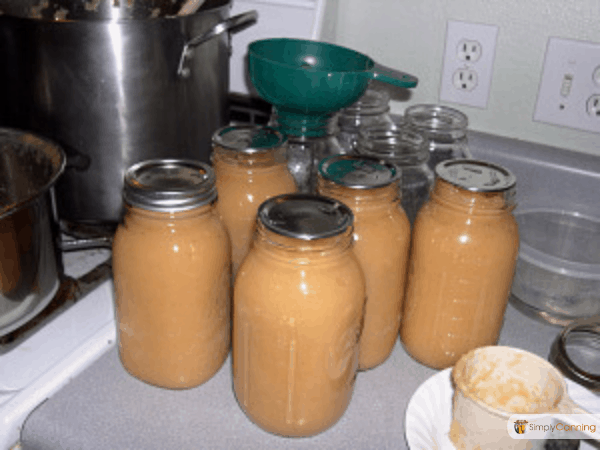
468	63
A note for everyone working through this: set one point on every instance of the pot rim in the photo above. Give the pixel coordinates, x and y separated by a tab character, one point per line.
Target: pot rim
54	152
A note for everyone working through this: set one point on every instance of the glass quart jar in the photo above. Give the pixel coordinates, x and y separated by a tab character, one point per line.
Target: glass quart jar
370	110
250	167
171	267
444	129
464	250
298	306
381	243
576	352
406	150
309	141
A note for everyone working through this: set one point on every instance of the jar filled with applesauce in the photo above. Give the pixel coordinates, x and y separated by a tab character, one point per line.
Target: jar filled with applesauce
298	306
250	165
381	243
171	267
464	250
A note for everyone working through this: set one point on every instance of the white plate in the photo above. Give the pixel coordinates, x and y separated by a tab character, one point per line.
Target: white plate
429	411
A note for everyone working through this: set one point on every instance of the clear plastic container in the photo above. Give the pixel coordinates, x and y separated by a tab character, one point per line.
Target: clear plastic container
558	271
406	150
370	110
444	128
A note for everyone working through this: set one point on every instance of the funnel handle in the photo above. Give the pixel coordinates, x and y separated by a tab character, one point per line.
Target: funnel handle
233	25
392	76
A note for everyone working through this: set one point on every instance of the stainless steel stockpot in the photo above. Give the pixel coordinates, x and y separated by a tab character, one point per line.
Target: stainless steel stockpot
116	92
29	264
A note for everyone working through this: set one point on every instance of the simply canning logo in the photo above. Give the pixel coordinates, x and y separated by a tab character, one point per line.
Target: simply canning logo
521	426
554	426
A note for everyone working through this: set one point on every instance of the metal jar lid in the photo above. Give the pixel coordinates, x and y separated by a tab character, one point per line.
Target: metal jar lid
476	176
169	185
305	216
358	172
248	138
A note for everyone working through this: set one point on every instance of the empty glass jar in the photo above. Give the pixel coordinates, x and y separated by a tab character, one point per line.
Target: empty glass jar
406	150
444	129
576	352
371	109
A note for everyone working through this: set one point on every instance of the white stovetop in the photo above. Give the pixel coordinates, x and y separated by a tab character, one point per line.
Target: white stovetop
50	358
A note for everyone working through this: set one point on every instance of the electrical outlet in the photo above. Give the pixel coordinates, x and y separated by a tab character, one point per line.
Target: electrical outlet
569	93
593	106
465	80
469	51
468	63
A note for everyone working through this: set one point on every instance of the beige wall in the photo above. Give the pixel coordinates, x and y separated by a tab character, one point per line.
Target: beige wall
410	35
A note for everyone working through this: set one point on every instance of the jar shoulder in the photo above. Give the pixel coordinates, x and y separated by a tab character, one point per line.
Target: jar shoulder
437	217
263	281
205	231
495	235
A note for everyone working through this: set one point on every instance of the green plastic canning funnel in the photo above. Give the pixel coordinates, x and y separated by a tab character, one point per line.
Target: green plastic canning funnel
311	79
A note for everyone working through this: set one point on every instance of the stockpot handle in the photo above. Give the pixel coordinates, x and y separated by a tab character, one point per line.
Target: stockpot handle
233	25
85	243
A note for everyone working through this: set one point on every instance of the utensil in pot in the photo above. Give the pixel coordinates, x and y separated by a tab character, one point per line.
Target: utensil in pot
29	266
190	7
57	10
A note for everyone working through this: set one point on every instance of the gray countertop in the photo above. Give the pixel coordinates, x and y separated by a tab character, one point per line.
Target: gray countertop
106	408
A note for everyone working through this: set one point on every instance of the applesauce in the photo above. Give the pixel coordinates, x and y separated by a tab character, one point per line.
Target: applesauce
381	243
171	264
464	250
10	255
298	306
250	166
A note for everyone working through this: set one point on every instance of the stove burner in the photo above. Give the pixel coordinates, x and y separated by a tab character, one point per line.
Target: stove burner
69	291
94	230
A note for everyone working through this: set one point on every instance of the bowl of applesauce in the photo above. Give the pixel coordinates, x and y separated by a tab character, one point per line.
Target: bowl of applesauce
557	276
